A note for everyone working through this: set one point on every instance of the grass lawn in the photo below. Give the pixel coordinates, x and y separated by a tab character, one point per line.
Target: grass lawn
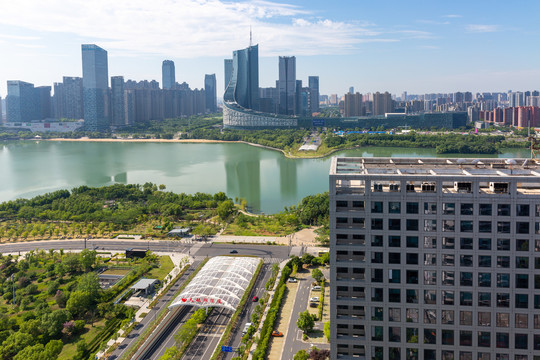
70	348
262	228
165	267
115	272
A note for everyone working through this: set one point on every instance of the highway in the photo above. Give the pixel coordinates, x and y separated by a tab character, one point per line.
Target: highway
204	344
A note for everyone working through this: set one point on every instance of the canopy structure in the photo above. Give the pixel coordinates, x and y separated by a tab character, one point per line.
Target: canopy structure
221	283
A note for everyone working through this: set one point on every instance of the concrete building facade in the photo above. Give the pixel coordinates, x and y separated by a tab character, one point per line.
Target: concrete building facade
435	259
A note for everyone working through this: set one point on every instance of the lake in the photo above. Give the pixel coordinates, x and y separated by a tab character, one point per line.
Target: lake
265	178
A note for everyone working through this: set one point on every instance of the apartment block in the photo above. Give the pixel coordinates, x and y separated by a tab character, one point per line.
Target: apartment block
435	259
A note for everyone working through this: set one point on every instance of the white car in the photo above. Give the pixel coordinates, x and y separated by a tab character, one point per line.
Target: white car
292	280
316	288
314	299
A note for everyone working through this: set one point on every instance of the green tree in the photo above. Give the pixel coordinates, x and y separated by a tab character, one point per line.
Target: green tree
14	344
89	284
53	323
327	330
301	355
88	258
317	275
305	322
225	209
78	303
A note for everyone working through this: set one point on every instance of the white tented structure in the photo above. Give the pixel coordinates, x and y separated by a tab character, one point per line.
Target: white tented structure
220	283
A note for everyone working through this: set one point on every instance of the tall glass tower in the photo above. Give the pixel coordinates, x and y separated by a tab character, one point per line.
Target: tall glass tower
168	75
228	71
210	92
95	87
243	89
287	85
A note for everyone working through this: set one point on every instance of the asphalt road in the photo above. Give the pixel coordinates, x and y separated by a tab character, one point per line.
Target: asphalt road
205	342
245	316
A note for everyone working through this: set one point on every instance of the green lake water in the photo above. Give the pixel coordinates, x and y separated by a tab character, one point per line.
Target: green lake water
265	178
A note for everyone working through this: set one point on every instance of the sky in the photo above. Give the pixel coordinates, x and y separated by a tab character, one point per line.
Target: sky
393	45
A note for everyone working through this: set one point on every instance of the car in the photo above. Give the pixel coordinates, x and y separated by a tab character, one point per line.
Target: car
277	333
314	299
255	298
233	252
292	280
316	288
246	328
313	304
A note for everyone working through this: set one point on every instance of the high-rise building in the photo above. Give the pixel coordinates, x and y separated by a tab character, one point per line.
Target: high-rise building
73	97
21	101
243	89
228	71
95	87
43	102
313	84
210	90
1	110
118	101
382	103
287	85
433	258
353	105
351	90
58	101
168	76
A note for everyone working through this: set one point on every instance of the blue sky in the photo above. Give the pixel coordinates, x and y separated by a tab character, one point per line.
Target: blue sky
396	46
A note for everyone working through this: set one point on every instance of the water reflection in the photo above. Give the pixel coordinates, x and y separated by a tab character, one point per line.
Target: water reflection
243	175
287	178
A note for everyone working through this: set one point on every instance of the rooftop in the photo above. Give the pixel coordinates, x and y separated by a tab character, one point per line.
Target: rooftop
376	166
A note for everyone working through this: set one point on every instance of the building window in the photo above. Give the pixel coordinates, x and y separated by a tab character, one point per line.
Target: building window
503	280
376	207
430	316
522	301
377	275
447	297
430	277
376	224
412	354
466	243
376	240
484	279
522	262
430	336
522	281
465	338
466	226
484	244
484	299
394	258
394	295
522	227
412	241
377	294
449	226
412	259
412	315
503	210
522	209
503	320
430	208
412	335
485	210
447	317
430	242
521	341
503	244
394	334
466	260
448	242
394	207
394	314
411	296
484	318
376	257
430	225
465	298
430	259
430	297
377	314
503	340
522	321
376	351
377	333
537	281
449	208
394	241
448	260
503	300
484	226
503	227
484	261
503	261
447	355
484	339
448	278
465	355
466	209
394	276
394	353
522	245
412	208
465	279
394	224
412	276
536	343
411	224
465	318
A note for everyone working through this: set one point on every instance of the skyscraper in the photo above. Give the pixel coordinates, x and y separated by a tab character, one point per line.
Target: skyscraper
353	105
118	117
1	111
21	101
228	71
168	75
287	85
43	102
95	87
210	92
433	259
313	84
243	89
73	97
382	103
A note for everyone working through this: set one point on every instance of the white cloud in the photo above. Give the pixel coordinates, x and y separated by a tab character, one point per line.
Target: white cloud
453	16
482	28
19	37
190	28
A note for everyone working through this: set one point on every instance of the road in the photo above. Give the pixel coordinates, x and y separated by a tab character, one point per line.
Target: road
245	316
205	342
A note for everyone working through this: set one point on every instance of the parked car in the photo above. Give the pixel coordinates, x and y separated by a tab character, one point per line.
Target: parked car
277	333
314	299
292	280
313	304
255	298
233	252
316	288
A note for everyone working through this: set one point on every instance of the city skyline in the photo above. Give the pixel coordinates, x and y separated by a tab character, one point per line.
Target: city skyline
395	47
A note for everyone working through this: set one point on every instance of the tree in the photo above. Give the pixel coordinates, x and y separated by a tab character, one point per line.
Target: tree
327	330
305	322
88	258
89	284
316	354
225	209
317	275
53	323
307	258
78	303
301	355
14	344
